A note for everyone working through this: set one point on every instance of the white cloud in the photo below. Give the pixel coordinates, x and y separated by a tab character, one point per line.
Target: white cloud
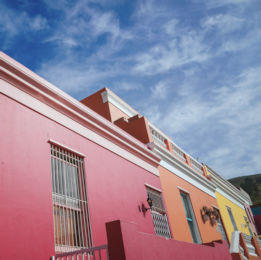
160	91
183	62
221	3
105	23
187	48
126	86
171	26
247	42
14	23
224	23
74	77
38	23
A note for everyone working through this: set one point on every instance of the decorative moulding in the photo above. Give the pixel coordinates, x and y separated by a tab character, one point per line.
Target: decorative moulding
109	96
229	191
173	164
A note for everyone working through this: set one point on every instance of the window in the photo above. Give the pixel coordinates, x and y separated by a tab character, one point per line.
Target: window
190	218
70	207
231	218
220	227
158	213
248	226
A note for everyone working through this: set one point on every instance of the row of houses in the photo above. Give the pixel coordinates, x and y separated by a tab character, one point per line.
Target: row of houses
96	180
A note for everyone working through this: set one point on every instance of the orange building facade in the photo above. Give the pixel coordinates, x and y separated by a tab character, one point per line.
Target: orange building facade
172	187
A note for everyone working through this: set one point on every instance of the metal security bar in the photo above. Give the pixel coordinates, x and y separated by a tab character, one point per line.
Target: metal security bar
158	213
70	207
161	224
99	253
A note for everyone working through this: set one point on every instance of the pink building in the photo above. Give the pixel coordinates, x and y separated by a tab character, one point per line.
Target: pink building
65	172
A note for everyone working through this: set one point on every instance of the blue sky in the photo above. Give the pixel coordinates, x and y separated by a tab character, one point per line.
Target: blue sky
193	67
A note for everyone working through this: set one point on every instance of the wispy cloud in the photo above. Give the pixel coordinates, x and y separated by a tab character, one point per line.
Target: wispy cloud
14	23
229	115
192	67
179	51
221	3
223	23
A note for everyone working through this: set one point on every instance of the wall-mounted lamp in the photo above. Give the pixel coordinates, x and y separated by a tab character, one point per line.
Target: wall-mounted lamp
149	200
143	208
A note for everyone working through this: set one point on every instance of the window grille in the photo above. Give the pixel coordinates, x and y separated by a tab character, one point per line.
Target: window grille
232	218
158	213
70	207
190	218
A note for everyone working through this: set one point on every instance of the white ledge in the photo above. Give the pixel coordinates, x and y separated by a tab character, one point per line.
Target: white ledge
51	141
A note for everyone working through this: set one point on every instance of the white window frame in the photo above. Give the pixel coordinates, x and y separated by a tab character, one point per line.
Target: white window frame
194	231
231	216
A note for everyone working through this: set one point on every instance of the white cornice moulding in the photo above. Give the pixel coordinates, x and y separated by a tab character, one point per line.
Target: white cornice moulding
45	110
51	93
230	198
161	133
46	99
109	96
171	163
229	189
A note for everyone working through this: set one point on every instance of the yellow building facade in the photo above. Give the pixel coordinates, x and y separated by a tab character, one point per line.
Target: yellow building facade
238	213
231	202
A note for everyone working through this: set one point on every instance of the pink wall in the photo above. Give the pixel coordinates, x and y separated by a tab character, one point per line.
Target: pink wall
115	186
257	219
125	242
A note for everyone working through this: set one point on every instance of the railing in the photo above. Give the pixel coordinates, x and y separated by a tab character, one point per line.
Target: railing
157	137
242	252
160	139
94	253
161	224
196	165
259	241
250	247
177	151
